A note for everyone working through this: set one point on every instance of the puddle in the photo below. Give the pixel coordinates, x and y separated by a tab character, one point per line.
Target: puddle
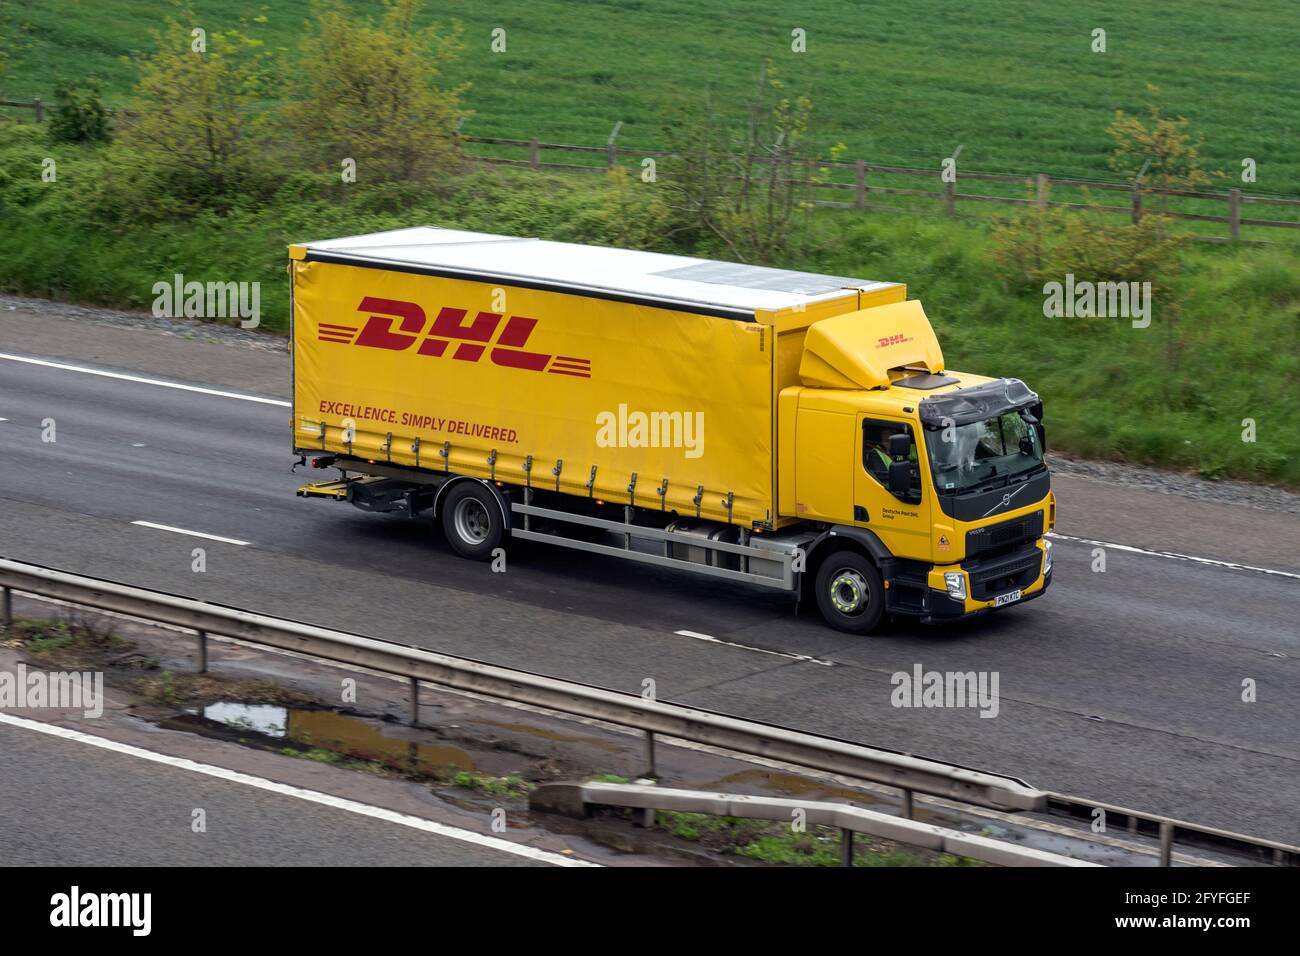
307	730
791	785
266	719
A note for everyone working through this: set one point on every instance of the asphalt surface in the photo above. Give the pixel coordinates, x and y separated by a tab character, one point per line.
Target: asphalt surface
1123	686
70	804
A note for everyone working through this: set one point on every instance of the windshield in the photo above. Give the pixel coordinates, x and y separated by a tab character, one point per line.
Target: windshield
982	453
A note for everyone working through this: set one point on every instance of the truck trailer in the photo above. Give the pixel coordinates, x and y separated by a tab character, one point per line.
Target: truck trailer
775	428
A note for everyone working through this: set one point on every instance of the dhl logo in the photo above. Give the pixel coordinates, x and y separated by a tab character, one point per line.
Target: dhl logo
472	338
892	340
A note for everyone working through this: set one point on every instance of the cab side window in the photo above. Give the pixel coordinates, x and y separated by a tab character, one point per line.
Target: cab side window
875	447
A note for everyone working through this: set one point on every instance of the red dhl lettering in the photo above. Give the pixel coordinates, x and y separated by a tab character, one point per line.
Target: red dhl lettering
892	340
396	325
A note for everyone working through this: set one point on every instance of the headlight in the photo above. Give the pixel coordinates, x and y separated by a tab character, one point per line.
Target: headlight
955	581
1047	556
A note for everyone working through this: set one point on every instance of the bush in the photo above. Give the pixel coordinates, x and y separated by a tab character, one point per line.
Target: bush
77	117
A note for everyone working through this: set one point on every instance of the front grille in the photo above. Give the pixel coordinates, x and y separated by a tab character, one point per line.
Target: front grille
1017	570
1003	537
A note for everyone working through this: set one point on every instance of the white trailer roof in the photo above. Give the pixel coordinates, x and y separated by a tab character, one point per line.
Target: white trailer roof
700	285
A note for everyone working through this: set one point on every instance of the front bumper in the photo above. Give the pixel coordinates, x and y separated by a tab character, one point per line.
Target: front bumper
943	608
985	580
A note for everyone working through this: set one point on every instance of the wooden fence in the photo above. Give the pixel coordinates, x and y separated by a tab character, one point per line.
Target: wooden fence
865	181
861	183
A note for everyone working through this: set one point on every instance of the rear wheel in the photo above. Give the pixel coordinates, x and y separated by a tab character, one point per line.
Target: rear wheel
471	520
850	593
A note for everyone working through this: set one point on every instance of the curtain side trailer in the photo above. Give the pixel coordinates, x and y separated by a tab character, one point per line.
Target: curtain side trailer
787	430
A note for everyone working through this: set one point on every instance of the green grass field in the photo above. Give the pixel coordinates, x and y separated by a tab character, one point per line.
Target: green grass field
1013	81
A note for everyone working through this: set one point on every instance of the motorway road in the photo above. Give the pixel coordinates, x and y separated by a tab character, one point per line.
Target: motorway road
1123	686
68	803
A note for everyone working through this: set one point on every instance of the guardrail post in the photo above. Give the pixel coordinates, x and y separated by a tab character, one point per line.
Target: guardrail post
860	181
846	847
1234	214
39	107
415	702
203	651
650	754
1166	843
908	805
534	154
7	609
1041	190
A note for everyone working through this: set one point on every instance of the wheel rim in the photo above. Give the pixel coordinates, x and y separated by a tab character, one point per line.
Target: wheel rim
472	521
849	592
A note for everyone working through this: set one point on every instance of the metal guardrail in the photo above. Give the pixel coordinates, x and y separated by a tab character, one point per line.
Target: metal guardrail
1168	830
573	799
910	774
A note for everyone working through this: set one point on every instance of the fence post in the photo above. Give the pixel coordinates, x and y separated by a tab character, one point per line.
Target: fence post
613	155
1042	191
40	109
950	198
860	179
1137	203
1234	214
534	154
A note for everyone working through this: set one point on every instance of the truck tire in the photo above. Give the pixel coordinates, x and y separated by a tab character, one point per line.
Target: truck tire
850	593
471	520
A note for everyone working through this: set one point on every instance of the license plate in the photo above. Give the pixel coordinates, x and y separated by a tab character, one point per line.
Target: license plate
1011	597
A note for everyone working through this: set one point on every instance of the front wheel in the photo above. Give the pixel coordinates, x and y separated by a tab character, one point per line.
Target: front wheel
471	520
850	593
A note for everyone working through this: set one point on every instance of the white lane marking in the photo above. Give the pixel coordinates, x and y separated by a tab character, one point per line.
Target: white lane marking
759	650
311	796
196	534
145	381
1175	555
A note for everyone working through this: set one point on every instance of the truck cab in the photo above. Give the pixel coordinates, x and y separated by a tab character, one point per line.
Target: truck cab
930	485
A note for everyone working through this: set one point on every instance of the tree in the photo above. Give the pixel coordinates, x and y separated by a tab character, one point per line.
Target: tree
1175	157
742	188
196	118
367	92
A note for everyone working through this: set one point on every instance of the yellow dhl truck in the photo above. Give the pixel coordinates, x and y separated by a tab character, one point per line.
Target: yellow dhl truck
775	428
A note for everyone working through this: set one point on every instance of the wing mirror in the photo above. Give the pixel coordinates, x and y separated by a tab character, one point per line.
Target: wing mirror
900	478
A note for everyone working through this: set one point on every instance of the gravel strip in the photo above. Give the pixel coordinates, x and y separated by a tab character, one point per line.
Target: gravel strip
195	329
1245	493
